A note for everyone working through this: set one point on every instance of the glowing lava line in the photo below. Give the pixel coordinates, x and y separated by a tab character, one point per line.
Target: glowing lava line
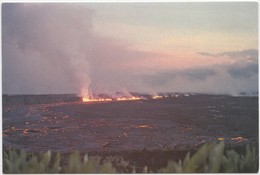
127	99
86	99
157	97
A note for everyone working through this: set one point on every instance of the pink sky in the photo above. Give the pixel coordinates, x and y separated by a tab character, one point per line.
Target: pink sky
147	47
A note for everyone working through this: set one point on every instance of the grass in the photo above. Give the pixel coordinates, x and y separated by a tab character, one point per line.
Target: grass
209	158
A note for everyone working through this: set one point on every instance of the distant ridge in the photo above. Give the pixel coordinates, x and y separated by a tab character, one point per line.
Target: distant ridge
38	99
27	99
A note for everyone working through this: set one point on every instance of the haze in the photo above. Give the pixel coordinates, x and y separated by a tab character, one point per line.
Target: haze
85	48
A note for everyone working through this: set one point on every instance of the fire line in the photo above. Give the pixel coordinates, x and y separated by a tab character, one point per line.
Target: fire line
86	99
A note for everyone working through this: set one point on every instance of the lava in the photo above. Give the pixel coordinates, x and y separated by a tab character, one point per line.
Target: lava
157	97
130	98
87	99
125	98
238	139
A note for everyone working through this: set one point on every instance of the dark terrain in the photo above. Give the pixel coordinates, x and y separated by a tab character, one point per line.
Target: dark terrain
167	127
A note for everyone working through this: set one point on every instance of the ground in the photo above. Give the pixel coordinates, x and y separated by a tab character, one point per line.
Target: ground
126	127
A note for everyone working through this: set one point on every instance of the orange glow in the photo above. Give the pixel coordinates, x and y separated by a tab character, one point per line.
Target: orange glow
144	126
25	131
238	139
130	98
157	97
87	99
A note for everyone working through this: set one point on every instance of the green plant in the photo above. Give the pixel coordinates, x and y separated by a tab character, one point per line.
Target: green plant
88	165
22	162
121	165
233	162
210	158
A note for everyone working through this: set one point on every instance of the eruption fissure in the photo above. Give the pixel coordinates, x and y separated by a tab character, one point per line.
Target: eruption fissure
87	99
130	97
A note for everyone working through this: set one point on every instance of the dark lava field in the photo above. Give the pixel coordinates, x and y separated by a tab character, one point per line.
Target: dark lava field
181	123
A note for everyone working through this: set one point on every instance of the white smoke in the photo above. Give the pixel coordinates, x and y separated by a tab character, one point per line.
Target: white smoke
52	49
46	42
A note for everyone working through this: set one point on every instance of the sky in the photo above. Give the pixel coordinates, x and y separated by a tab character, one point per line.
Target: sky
90	48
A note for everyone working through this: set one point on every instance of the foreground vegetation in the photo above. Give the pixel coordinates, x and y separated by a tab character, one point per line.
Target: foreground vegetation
209	158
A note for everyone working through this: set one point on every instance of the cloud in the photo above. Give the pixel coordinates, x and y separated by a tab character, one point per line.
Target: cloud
52	48
243	71
161	79
249	54
198	74
208	54
219	78
245	65
164	78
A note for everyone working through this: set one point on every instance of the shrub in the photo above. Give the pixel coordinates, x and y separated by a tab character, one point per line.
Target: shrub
88	165
209	158
22	162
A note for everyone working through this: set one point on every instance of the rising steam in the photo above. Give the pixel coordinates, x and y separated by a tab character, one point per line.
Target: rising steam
53	49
